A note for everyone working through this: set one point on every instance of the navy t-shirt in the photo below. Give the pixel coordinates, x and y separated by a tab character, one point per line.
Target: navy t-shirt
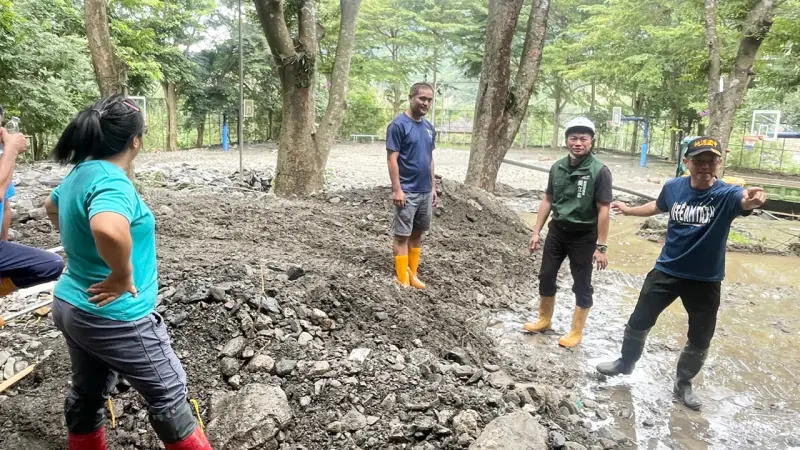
699	222
415	141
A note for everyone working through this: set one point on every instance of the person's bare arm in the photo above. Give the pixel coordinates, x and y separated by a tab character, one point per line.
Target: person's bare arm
13	145
398	196
646	210
433	184
545	206
52	212
6	220
603	220
112	236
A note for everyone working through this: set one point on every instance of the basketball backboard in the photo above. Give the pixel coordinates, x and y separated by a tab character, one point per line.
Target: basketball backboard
766	123
616	116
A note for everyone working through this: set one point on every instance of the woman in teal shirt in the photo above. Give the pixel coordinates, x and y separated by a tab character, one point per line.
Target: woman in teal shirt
104	303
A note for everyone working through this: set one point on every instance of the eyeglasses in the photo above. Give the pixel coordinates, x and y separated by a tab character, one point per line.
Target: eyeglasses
705	162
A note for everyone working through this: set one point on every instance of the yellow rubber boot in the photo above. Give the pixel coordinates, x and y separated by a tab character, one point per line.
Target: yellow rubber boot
575	335
413	264
6	286
401	269
546	307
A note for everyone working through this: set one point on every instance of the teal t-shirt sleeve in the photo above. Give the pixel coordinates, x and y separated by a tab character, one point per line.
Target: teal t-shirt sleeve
113	195
55	194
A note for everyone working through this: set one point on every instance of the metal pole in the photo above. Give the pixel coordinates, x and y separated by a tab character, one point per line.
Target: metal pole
241	92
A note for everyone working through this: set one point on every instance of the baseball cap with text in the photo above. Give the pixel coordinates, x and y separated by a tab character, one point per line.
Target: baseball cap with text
703	144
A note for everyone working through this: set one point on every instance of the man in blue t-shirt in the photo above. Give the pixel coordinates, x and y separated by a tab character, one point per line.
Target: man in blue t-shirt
691	264
410	140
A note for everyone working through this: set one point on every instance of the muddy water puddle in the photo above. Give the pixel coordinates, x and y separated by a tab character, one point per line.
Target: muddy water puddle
749	383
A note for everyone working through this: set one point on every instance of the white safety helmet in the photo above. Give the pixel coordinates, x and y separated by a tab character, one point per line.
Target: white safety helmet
581	123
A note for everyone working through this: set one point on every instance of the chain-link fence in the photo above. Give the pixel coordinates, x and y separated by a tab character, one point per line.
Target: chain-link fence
454	127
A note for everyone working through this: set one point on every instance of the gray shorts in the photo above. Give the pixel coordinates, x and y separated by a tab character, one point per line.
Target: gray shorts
415	215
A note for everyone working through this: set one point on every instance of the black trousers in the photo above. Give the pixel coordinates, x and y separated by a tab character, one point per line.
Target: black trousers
700	299
580	247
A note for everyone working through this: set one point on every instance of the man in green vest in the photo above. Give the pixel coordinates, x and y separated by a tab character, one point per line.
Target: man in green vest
579	196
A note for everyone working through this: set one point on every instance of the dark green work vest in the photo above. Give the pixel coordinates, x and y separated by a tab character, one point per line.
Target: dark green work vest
573	192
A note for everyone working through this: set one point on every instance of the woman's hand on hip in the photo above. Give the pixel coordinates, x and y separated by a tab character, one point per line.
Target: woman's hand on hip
113	287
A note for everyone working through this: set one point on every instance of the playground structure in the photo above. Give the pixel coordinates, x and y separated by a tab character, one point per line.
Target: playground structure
617	119
764	126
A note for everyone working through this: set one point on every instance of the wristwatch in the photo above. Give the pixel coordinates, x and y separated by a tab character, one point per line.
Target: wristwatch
602	248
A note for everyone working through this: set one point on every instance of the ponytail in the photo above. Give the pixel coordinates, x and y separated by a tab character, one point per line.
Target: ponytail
99	131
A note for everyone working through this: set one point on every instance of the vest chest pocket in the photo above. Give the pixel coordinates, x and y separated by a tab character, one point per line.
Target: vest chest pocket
564	189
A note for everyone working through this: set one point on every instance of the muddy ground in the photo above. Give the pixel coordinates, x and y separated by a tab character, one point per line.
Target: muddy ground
299	294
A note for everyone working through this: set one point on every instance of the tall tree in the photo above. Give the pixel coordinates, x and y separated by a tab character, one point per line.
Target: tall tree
108	70
754	28
501	104
390	47
303	148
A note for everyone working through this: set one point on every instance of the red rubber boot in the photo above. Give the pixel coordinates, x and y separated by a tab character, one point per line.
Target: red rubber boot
195	441
96	440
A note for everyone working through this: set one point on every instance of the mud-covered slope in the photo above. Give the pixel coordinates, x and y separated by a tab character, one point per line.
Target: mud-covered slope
298	285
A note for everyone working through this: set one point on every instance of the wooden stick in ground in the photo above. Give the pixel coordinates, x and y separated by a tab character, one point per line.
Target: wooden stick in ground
11	381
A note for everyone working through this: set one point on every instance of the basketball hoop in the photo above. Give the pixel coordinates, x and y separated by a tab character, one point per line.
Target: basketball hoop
765	124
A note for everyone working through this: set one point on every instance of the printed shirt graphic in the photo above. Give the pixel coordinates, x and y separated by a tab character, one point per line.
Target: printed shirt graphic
699	223
415	141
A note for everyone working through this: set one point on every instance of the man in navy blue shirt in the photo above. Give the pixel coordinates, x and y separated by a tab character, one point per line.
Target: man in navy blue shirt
410	140
691	264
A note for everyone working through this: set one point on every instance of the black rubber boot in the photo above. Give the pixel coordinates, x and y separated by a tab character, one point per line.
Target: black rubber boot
632	348
689	365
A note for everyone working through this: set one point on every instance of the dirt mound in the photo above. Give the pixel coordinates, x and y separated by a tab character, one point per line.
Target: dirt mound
300	294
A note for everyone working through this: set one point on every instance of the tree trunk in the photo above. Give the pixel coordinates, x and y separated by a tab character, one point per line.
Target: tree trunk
673	135
38	148
557	91
500	105
269	122
108	70
172	115
302	149
397	99
723	105
105	65
201	131
638	103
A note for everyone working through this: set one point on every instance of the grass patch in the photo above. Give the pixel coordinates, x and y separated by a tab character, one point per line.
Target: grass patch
741	239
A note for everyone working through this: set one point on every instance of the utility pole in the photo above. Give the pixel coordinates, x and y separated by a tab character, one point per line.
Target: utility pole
241	93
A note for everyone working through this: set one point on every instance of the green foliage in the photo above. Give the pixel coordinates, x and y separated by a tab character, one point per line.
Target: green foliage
45	68
364	113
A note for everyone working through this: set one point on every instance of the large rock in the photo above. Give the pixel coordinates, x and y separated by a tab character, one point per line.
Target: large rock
234	347
249	419
515	431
